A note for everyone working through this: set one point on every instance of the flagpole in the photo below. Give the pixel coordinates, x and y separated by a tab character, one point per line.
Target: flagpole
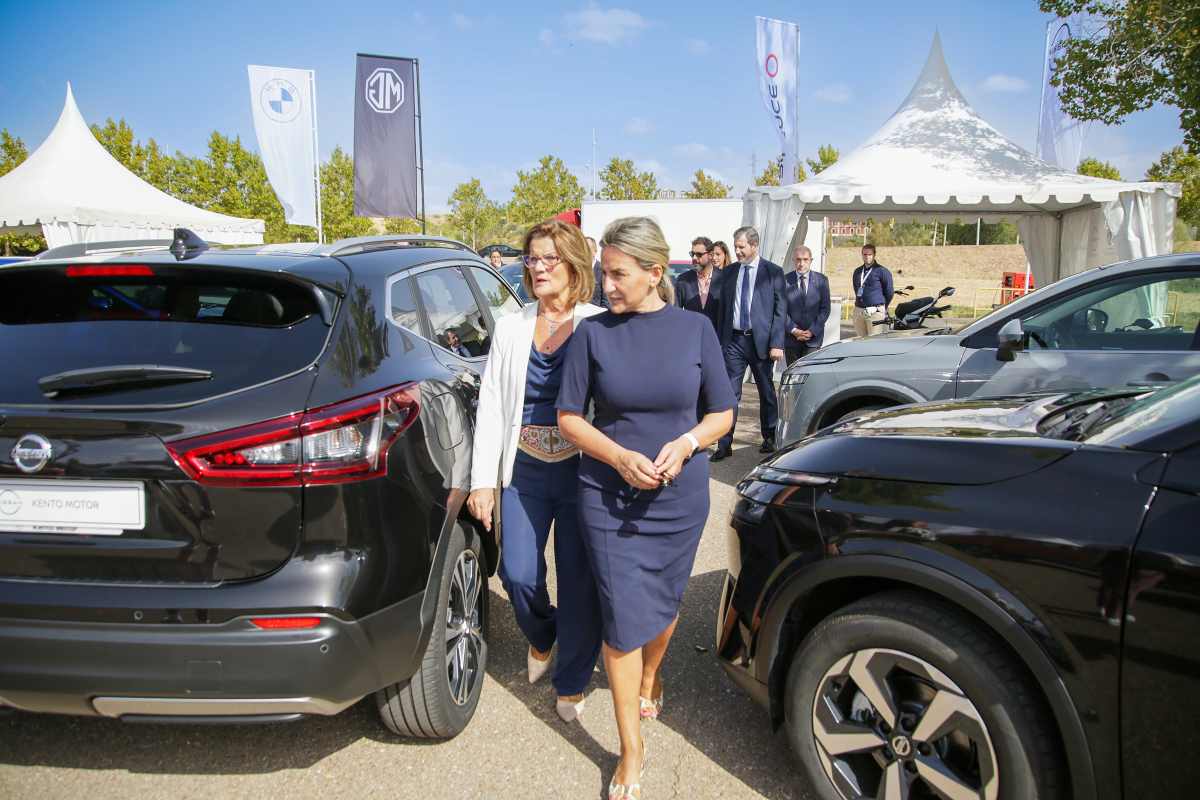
420	141
312	83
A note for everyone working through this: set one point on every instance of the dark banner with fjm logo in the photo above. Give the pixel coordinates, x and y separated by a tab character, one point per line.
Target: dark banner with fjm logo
385	137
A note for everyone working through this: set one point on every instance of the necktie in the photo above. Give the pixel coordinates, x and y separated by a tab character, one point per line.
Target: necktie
804	286
744	310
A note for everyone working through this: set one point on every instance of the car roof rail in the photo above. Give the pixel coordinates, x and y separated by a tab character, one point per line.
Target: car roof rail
182	244
362	244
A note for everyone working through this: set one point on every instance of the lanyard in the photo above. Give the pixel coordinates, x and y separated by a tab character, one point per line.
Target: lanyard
862	281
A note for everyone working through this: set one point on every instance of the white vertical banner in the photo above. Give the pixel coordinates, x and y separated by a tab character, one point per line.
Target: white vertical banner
777	45
285	122
1060	138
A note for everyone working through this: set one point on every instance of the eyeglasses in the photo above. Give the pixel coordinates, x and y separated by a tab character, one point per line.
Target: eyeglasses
697	256
550	261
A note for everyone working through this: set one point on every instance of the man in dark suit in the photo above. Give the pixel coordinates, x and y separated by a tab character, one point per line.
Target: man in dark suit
598	296
751	318
807	295
696	290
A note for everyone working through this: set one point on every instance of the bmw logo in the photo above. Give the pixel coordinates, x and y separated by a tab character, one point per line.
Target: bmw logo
32	452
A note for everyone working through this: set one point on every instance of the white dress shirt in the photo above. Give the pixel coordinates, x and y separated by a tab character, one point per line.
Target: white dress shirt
752	266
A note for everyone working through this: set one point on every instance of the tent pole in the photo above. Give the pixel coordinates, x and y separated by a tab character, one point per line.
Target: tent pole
312	83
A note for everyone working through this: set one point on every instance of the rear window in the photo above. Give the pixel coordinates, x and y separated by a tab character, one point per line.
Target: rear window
244	328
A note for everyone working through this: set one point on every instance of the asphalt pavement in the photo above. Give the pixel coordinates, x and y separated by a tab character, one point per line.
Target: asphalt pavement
712	741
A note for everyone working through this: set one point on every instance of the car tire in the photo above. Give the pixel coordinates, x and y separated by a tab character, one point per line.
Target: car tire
963	707
858	412
440	699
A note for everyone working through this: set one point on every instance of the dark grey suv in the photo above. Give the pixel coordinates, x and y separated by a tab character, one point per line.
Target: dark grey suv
232	481
1133	323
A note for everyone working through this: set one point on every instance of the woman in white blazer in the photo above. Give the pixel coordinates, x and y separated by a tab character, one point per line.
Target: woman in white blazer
519	449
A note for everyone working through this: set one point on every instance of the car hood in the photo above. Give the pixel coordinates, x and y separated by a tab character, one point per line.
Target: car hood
885	345
959	442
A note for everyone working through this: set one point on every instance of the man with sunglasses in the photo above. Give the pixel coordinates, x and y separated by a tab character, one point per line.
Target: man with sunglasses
697	289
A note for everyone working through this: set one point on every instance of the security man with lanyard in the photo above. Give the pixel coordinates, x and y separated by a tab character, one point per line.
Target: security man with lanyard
872	294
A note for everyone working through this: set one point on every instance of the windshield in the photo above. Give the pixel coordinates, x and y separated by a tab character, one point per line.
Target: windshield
1148	416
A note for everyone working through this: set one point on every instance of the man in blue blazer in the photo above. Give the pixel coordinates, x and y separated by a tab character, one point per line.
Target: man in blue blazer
697	289
807	295
751	319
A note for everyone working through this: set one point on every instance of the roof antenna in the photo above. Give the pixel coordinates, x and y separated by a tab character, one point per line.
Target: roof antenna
186	244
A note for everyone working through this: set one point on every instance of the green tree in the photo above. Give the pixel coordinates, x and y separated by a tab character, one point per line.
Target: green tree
770	175
337	199
1098	169
827	156
173	175
706	187
541	193
1141	52
472	215
622	182
1179	166
12	153
401	225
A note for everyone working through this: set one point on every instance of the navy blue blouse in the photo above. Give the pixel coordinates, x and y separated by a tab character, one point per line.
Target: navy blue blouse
541	386
650	377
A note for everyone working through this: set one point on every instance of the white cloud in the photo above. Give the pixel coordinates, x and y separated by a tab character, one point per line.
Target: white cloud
698	47
837	93
546	37
638	126
692	150
606	26
461	21
1004	83
650	165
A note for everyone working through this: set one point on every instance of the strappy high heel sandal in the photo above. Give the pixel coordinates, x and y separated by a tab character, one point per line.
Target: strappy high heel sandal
629	791
650	709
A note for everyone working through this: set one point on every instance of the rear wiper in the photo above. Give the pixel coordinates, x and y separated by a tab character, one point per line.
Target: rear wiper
118	375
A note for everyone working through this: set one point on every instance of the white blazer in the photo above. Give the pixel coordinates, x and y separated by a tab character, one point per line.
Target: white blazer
502	395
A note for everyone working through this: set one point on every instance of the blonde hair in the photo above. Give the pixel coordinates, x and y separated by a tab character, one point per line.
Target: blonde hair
572	248
641	239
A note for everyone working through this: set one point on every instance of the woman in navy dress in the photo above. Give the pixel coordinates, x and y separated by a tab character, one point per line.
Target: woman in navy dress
654	376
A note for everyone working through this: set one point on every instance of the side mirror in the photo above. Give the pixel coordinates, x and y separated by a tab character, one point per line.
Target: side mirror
947	292
1010	339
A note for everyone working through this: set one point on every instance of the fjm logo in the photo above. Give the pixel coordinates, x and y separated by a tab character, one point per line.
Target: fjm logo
385	90
280	100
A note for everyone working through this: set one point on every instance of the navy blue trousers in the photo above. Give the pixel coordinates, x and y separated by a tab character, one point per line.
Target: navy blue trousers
540	494
739	354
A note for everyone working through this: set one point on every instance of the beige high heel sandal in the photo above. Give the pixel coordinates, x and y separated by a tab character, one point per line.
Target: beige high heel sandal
630	791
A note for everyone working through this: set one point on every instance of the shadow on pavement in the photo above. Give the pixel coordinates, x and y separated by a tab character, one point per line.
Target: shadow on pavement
701	704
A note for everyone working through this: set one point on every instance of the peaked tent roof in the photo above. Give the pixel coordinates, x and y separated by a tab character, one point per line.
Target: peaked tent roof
72	180
935	156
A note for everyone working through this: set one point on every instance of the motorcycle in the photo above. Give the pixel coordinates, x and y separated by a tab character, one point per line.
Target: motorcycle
911	314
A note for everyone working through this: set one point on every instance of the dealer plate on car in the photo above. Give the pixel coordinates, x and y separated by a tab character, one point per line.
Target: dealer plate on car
97	508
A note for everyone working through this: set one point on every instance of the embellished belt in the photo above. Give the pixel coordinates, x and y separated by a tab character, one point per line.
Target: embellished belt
545	443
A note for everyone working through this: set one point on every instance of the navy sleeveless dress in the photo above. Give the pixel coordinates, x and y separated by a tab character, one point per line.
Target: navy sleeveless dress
649	378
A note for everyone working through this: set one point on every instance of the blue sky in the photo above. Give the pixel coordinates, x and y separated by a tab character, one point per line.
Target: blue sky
671	85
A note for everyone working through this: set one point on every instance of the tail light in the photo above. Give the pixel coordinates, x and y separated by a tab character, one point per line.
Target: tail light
333	444
110	271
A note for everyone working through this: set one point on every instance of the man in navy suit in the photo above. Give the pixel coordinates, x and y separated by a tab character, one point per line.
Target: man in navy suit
807	295
696	290
751	318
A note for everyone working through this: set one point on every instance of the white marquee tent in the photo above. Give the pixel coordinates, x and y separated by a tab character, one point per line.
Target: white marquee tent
936	159
75	192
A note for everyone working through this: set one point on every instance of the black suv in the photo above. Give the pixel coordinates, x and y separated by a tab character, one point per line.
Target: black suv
980	599
232	481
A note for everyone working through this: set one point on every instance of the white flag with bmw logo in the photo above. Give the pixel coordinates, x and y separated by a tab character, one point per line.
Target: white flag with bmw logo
283	104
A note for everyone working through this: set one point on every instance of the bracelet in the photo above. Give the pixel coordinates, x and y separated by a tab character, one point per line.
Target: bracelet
695	442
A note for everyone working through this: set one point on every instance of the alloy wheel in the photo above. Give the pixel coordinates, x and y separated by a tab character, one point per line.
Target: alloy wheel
891	726
464	629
